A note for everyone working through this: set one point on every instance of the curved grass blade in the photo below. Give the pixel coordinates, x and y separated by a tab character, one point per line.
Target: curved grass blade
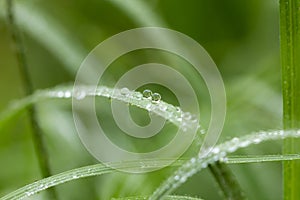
260	158
37	135
186	170
227	181
169	197
218	153
93	170
161	108
139	13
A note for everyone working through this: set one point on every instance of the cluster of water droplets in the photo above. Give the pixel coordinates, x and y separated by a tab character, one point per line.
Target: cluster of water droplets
146	100
46	183
60	94
184	120
215	154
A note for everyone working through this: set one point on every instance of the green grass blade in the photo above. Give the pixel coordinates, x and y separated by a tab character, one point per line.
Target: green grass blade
93	170
37	135
169	197
187	169
161	108
218	153
227	181
290	61
260	158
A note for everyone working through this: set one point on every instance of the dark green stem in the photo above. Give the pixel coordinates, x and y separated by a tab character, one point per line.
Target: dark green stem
227	181
23	67
290	62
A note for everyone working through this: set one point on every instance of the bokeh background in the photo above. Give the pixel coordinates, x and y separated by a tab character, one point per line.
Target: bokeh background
241	36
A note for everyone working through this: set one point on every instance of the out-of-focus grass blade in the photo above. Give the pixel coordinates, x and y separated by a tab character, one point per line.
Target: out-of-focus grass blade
48	32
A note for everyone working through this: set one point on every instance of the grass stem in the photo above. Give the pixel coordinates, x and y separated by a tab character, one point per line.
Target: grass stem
227	181
290	62
40	146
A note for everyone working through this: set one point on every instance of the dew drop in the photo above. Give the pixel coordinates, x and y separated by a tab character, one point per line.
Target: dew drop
256	140
98	93
60	94
193	160
216	158
163	107
148	106
184	128
183	179
139	96
204	165
235	140
281	133
232	148
215	150
224	159
194	119
178	109
179	119
187	116
75	176
125	91
244	143
29	194
177	177
143	165
156	97
222	154
79	95
68	94
147	93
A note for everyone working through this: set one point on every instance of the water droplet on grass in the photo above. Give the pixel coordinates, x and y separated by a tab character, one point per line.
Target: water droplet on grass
68	94
256	140
139	96
224	159
215	150
244	143
125	91
28	194
184	128
60	94
163	107
187	116
147	93
149	106
75	176
183	179
178	109
235	140
156	97
193	160
204	165
80	94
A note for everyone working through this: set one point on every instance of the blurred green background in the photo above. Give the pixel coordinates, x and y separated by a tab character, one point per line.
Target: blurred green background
241	36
